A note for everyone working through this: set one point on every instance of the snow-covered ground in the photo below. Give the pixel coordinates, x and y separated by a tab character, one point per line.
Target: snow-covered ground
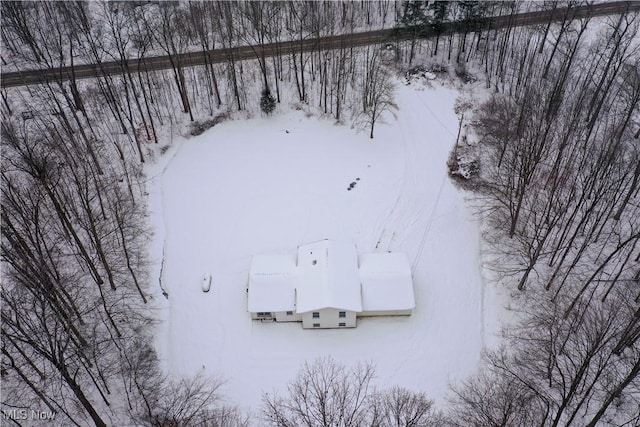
267	185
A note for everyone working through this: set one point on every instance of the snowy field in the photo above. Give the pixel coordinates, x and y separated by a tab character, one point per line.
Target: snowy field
267	185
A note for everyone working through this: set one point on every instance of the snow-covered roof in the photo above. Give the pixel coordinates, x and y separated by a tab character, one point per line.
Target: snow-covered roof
328	277
386	282
272	283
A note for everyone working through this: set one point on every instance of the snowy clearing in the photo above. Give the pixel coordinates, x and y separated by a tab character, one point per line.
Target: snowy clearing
267	185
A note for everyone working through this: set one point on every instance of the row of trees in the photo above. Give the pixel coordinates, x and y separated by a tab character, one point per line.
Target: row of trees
59	34
560	160
326	393
77	305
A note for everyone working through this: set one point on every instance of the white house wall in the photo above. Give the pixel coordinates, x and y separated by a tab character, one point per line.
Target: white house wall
385	313
255	316
284	316
328	318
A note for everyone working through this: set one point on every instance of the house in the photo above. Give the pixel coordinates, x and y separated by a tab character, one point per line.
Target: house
272	283
327	285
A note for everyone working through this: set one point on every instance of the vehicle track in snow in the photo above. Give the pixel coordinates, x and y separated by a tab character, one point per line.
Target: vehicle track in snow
417	147
431	217
427	229
399	219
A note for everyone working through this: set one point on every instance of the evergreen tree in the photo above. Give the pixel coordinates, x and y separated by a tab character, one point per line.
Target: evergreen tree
267	102
416	14
416	18
440	10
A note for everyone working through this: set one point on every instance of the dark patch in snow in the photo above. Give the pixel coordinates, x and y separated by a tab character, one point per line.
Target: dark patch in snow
466	77
352	185
420	72
199	127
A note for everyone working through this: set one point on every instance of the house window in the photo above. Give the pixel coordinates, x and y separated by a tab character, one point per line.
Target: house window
264	314
289	313
316	325
342	324
342	314
316	315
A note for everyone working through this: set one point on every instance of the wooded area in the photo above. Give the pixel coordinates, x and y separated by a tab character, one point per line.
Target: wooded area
559	184
559	157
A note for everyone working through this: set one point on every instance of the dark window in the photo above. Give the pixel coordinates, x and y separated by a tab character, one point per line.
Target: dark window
316	325
264	314
342	314
342	324
316	315
289	313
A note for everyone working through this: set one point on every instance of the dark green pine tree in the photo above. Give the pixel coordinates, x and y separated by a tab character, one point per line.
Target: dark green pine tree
267	102
416	18
440	10
416	14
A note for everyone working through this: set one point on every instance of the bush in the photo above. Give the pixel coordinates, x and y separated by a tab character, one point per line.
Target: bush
199	127
267	102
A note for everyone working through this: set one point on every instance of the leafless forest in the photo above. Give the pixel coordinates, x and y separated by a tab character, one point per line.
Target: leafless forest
557	186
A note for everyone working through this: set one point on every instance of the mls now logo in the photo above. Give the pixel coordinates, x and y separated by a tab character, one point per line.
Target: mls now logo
24	414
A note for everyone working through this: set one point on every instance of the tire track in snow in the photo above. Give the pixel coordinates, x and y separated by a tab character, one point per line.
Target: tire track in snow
413	118
431	217
399	218
425	235
427	228
408	210
384	223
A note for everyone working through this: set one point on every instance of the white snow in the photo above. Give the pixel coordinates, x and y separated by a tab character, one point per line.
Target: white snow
272	283
250	187
328	277
386	282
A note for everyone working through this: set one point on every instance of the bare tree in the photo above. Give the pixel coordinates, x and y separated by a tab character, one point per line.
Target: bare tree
185	402
327	394
168	26
557	370
377	90
400	407
491	400
324	394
